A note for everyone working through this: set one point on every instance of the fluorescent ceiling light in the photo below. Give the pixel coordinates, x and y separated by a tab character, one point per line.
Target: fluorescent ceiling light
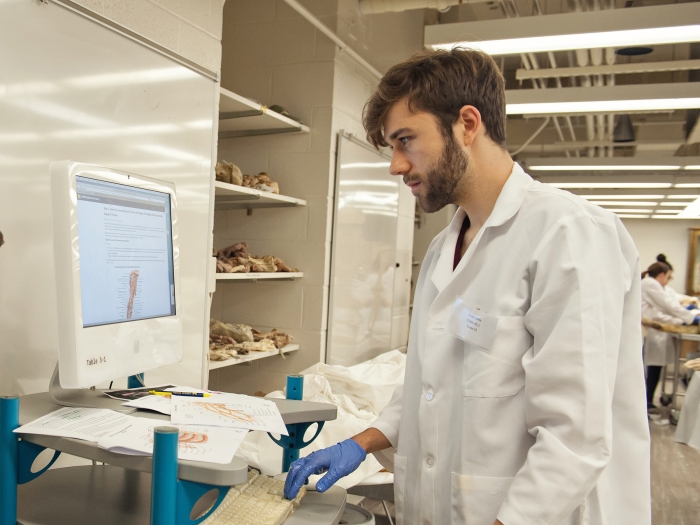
693	185
638	196
621	197
631	210
693	167
632	216
624	203
692	211
603	106
625	185
601	167
661	163
541	44
676	204
654	25
671	217
604	99
667	211
682	196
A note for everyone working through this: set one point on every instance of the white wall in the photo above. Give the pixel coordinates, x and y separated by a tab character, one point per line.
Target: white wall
670	237
190	28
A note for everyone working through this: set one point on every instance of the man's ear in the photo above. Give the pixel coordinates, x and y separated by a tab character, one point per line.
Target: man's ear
468	125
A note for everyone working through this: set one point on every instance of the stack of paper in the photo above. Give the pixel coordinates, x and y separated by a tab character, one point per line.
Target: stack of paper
211	428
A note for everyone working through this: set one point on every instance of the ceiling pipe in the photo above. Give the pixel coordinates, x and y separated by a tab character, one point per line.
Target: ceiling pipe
371	7
330	34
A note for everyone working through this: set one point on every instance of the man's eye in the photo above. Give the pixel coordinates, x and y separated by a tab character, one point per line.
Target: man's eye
403	140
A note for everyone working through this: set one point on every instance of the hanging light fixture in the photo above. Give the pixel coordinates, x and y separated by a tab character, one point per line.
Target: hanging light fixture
624	131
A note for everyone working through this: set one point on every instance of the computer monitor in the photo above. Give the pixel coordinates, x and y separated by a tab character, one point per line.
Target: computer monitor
117	273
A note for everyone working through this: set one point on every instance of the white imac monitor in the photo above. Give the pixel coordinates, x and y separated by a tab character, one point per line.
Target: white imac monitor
117	274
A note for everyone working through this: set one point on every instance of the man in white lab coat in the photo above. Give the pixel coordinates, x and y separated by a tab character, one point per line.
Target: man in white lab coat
523	401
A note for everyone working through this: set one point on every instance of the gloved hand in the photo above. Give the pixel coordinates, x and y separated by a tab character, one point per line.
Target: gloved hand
696	321
339	460
691	307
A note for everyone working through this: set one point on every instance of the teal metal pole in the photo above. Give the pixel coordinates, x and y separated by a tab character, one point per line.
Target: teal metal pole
295	387
164	480
135	381
9	457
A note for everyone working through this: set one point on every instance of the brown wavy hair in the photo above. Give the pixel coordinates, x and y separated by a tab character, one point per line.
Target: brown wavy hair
441	82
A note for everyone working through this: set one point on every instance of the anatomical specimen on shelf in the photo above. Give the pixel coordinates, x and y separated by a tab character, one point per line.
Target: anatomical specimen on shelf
261	182
236	259
239	333
229	173
228	341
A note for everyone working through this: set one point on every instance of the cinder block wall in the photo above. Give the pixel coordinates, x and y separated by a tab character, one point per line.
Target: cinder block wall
274	56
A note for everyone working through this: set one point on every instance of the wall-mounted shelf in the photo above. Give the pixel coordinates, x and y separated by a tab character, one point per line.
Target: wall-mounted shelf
252	356
241	117
233	197
272	276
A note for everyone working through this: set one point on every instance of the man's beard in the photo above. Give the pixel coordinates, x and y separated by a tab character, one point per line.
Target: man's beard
443	180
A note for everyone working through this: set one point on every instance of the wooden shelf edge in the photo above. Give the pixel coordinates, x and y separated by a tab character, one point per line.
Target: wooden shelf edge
253	356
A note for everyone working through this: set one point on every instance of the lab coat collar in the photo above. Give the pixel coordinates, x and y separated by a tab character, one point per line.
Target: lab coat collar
507	205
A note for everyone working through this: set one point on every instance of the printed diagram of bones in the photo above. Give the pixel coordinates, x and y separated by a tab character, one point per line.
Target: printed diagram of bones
133	285
226	411
188	440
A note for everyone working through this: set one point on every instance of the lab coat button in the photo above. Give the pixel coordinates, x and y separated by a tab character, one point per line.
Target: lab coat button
429	396
430	462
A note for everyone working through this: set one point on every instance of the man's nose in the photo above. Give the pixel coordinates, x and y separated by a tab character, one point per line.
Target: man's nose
399	164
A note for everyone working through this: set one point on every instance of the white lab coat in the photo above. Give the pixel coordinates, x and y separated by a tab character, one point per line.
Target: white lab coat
658	304
546	424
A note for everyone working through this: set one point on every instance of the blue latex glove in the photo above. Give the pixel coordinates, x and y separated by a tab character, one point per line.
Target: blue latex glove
696	321
339	460
690	307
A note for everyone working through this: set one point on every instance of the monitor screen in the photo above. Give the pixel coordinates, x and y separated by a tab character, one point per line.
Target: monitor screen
126	253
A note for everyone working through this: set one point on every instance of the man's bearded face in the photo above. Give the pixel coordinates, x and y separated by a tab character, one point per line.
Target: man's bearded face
441	182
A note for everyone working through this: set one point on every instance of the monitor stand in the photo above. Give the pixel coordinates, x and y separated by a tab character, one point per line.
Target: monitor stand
83	397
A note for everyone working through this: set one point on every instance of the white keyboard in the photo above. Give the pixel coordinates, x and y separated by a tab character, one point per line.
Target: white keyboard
259	501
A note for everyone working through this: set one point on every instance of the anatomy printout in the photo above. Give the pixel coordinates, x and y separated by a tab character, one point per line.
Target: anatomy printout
228	410
88	424
196	443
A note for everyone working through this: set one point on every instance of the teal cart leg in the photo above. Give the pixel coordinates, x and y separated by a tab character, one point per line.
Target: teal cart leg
292	443
164	480
9	459
136	381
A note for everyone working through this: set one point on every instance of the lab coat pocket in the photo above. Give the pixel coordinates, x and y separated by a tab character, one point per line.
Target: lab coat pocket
476	500
498	372
400	463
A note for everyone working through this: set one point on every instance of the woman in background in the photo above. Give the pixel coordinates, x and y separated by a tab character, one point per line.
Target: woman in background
661	304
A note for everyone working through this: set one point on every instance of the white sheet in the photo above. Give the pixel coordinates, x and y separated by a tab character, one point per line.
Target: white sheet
359	392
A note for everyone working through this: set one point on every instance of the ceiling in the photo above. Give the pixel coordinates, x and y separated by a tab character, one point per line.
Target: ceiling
657	135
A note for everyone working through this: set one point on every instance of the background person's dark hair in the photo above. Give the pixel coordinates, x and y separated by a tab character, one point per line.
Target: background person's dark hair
662	258
657	268
441	82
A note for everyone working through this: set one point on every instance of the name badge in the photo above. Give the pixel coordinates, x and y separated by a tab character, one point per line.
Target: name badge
472	326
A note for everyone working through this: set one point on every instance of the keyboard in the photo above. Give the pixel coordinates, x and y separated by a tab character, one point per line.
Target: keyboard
258	501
